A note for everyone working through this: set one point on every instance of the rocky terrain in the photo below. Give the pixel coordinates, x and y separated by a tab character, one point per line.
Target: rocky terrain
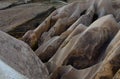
59	39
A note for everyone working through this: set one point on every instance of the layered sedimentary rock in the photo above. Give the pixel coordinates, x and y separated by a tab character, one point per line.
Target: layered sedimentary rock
22	17
57	22
48	49
111	63
77	41
81	52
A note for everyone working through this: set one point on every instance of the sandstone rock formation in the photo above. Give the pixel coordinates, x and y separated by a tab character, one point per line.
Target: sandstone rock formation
80	48
18	17
80	40
48	49
59	19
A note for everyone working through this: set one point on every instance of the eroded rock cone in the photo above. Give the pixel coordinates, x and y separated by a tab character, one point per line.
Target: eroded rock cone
20	57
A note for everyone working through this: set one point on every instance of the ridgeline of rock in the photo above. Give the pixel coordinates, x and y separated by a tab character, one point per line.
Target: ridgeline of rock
80	40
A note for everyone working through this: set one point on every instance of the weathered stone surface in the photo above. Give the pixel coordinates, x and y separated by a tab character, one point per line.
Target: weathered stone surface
6	72
87	73
111	63
19	56
116	4
48	49
79	29
104	7
117	75
5	4
70	1
65	18
111	45
81	52
57	22
14	17
106	69
117	15
85	19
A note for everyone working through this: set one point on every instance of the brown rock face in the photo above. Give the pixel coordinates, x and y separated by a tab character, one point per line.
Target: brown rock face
48	49
19	56
58	21
117	75
80	40
106	69
81	52
17	20
50	46
111	63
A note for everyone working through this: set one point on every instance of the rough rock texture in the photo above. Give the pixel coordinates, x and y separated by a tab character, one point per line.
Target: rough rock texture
19	56
104	7
111	63
80	40
6	72
117	75
66	18
69	72
4	4
14	17
48	49
57	22
79	29
106	69
80	48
